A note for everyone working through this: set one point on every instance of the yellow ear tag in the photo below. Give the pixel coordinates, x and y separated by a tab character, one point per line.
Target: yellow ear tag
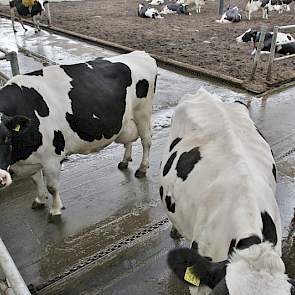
191	277
17	128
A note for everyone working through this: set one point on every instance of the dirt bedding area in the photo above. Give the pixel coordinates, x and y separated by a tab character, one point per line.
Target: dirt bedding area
195	39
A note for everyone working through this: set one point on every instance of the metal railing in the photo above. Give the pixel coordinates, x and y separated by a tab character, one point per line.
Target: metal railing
258	52
11	56
11	282
272	58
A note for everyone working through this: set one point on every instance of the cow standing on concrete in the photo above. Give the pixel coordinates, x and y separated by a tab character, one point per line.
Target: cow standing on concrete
34	11
81	108
218	182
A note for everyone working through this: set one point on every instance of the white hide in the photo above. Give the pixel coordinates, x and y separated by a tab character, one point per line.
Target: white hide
261	266
225	193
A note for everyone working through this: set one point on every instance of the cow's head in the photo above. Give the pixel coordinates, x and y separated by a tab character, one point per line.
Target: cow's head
249	35
257	270
10	127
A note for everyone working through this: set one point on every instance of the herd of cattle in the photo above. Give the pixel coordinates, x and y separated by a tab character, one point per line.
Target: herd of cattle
232	14
217	176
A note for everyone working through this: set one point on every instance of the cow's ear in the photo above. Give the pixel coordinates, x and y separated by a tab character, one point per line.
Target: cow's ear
18	124
186	260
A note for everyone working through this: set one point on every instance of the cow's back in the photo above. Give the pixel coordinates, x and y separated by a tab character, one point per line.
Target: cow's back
84	105
216	172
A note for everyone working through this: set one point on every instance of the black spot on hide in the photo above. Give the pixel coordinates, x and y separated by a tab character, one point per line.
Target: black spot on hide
174	143
98	98
187	161
58	142
169	204
142	88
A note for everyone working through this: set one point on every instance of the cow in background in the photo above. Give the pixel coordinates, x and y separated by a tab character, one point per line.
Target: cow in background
175	8
35	10
148	12
217	185
197	3
285	43
266	6
231	15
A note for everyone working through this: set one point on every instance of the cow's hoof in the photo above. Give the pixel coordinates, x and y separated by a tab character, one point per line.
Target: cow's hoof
15	31
139	174
122	166
63	208
26	30
36	205
54	218
174	234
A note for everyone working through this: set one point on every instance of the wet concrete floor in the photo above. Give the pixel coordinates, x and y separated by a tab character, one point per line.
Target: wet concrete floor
113	237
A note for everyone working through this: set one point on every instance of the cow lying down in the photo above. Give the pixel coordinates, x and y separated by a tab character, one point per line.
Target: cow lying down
218	182
231	15
285	42
175	8
147	12
81	108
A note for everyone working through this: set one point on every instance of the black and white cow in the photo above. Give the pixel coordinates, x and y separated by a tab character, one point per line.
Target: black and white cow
35	11
218	182
232	15
147	12
267	6
285	43
197	3
175	8
81	108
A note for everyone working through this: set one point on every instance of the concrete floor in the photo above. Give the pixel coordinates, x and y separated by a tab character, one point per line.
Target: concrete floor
105	206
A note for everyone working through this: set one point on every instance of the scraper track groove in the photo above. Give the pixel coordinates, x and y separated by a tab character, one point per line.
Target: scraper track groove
124	243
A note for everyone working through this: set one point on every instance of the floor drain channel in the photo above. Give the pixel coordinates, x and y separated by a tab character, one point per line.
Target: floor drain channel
99	255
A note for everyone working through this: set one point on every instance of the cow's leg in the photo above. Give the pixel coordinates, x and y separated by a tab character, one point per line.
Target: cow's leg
143	124
22	23
36	23
52	175
47	12
127	156
39	202
12	16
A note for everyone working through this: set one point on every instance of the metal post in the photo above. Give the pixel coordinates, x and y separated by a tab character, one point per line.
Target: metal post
272	52
221	7
258	52
12	57
11	272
